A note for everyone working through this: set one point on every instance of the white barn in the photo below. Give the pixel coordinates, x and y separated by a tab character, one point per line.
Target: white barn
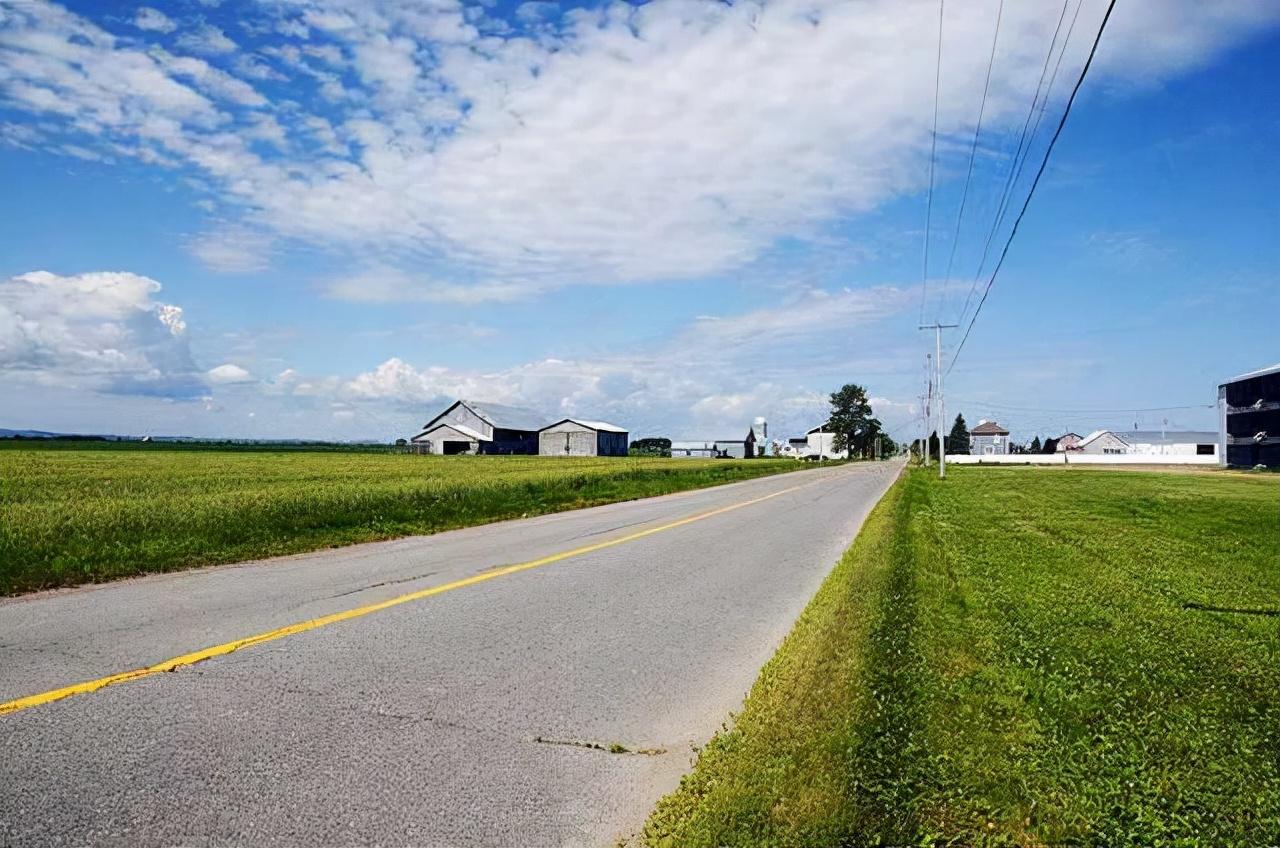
490	428
578	437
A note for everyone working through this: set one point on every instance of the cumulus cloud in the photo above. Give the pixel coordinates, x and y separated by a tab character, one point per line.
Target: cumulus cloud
710	376
102	330
672	139
228	373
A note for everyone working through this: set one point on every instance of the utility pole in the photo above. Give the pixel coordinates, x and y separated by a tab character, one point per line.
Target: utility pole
942	407
923	422
928	405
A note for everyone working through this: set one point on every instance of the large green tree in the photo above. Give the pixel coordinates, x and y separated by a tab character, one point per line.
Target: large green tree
851	419
958	441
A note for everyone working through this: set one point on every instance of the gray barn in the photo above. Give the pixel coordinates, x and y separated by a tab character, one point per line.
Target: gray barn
577	437
489	428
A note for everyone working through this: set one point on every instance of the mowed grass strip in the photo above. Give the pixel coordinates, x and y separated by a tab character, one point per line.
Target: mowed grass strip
75	516
1017	657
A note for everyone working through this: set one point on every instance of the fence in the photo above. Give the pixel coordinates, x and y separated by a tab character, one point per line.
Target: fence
1082	459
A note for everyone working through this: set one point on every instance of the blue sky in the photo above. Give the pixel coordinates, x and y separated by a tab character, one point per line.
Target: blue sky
325	218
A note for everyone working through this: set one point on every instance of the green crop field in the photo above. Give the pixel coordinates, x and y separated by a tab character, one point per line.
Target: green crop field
1019	657
70	515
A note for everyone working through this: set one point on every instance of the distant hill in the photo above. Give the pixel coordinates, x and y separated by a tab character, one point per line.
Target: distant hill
27	434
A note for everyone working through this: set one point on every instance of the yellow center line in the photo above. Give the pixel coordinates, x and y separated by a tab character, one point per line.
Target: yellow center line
346	615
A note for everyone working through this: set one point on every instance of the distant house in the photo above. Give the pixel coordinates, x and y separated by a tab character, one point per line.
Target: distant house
1249	417
577	437
1067	442
1150	443
1104	442
988	438
485	428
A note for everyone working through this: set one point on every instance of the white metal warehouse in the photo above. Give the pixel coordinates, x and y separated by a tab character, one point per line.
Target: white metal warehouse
576	437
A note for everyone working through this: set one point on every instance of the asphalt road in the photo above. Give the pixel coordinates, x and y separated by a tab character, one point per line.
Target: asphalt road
462	718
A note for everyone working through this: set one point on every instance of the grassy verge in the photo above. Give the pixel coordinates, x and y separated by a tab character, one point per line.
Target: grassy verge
1019	657
73	516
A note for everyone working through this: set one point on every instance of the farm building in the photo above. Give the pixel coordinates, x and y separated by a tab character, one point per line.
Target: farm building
988	438
822	442
1249	414
487	428
694	450
738	448
1102	441
1150	442
576	437
797	446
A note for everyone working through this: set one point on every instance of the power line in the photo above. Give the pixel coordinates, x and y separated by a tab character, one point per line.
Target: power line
973	150
1035	129
933	153
1044	163
1005	406
1007	189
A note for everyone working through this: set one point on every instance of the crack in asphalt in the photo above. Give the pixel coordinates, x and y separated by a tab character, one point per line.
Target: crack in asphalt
610	748
395	582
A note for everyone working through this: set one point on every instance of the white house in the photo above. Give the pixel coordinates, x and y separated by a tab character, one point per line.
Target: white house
988	439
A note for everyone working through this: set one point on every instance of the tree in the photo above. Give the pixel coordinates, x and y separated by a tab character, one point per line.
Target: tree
1050	446
850	417
1035	445
958	441
651	447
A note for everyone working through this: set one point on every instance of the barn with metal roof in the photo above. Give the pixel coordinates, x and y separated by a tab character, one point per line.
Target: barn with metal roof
580	437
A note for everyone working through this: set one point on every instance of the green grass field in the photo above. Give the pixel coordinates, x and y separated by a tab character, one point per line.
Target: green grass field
71	516
1019	657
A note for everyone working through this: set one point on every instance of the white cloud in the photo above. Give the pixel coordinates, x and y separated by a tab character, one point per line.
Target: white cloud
233	249
102	330
389	285
673	139
153	20
215	82
228	373
713	375
206	39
